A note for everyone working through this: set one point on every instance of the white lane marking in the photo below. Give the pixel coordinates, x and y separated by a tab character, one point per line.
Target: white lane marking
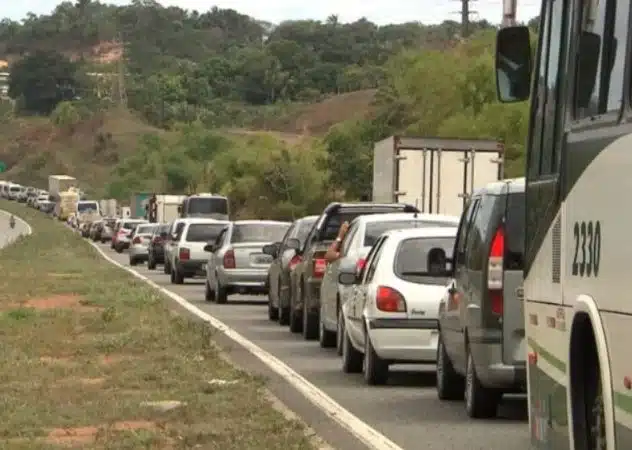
365	433
9	238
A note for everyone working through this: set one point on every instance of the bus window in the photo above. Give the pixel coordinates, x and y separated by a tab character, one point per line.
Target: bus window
599	78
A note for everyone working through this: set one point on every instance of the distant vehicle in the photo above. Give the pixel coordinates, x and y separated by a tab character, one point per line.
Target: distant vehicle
14	191
139	245
188	254
391	316
212	206
121	237
308	274
156	249
83	206
283	262
237	263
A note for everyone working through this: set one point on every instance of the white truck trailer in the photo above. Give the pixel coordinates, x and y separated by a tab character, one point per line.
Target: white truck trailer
437	175
60	183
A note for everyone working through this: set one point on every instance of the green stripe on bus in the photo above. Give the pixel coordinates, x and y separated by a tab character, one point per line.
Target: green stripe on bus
549	357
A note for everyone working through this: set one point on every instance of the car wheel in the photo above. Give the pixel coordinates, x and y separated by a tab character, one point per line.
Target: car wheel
310	322
151	264
132	261
178	277
480	402
375	368
172	277
221	295
166	268
450	385
296	317
209	295
351	358
326	338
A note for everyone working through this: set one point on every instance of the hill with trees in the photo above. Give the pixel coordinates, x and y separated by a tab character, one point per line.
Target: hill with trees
165	99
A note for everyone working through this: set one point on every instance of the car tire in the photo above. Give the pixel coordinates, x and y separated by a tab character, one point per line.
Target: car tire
480	402
151	264
450	384
133	261
284	316
112	245
296	317
310	322
166	268
178	278
221	295
209	295
119	249
352	359
326	338
340	333
375	368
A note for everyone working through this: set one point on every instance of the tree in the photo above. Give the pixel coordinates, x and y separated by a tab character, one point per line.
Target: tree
42	80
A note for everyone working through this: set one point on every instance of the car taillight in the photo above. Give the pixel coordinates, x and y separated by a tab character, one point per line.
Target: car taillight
229	259
184	254
360	265
495	272
296	260
136	240
157	240
389	300
319	265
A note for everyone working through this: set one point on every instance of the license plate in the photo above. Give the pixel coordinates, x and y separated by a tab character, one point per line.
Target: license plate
262	259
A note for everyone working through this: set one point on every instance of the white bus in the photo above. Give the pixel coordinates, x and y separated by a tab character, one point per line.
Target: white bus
578	317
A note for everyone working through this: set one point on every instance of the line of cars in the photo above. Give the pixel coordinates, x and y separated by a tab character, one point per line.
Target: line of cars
32	196
407	287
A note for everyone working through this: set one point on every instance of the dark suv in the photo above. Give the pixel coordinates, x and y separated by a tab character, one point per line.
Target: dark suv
308	274
156	249
481	350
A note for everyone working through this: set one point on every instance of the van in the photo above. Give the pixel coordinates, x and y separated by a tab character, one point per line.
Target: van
481	350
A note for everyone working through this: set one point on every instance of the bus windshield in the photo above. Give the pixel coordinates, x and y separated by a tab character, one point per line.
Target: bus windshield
207	205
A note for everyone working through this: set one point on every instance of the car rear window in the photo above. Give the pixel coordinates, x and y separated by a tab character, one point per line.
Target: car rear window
145	229
375	229
411	259
130	225
515	232
331	224
204	232
259	232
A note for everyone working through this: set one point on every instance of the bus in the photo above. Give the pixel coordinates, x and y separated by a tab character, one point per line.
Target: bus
213	206
579	155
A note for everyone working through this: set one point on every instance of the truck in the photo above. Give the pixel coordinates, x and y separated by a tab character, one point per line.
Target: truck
66	203
166	207
60	183
108	207
437	175
213	206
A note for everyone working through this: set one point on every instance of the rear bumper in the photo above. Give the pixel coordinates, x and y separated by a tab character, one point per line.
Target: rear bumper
192	267
138	251
487	352
405	340
247	278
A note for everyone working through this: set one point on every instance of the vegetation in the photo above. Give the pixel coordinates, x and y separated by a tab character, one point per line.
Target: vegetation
92	355
207	83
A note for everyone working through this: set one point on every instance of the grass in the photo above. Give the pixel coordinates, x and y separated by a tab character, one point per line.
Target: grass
85	344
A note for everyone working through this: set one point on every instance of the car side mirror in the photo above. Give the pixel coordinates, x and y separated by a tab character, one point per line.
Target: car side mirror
293	244
210	248
513	64
348	273
272	249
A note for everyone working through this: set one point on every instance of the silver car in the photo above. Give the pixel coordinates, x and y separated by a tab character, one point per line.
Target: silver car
362	234
237	263
139	245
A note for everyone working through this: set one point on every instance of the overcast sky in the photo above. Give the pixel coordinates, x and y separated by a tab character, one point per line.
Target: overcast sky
275	11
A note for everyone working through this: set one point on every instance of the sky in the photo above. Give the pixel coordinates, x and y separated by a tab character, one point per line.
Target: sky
378	11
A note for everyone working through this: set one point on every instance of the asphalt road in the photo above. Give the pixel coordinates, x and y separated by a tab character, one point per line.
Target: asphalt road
407	411
8	234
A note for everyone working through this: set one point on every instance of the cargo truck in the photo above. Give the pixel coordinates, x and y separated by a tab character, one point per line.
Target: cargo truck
165	209
60	183
438	175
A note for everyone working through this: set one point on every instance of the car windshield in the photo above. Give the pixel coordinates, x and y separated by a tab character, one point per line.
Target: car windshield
375	229
15	188
204	232
411	260
259	232
207	205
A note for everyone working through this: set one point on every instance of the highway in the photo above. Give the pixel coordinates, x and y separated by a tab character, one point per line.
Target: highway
406	411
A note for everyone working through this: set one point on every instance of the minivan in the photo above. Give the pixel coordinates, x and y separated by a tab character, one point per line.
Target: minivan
481	349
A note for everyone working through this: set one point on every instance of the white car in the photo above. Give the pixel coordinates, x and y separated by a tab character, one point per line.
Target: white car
392	315
139	245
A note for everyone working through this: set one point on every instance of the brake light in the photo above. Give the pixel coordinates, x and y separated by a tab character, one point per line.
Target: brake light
136	240
389	300
184	254
296	260
229	259
495	272
319	265
360	265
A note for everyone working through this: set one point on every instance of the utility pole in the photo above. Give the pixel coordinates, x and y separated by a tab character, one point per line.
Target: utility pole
509	13
466	12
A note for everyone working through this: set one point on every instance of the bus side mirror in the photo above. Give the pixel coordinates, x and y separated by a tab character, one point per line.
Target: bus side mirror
513	64
587	66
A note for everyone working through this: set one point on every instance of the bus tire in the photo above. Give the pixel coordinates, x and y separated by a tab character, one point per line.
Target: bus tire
588	409
480	402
